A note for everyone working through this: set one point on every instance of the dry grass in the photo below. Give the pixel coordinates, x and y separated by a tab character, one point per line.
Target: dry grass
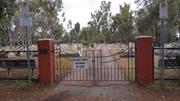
62	65
129	68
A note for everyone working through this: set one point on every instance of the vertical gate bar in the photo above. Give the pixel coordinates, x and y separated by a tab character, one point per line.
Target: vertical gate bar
111	72
61	72
124	72
128	74
67	74
104	72
80	72
64	76
133	68
122	78
83	75
86	73
78	75
132	65
125	69
107	69
114	72
96	60
117	72
73	73
70	73
93	65
59	61
97	65
101	62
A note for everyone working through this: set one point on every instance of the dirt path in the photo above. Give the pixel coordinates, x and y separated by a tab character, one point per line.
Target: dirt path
112	71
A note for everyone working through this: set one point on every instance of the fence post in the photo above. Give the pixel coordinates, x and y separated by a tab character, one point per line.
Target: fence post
144	60
46	61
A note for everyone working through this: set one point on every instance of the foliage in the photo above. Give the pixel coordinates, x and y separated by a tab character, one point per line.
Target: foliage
7	11
45	20
122	25
147	20
103	27
100	21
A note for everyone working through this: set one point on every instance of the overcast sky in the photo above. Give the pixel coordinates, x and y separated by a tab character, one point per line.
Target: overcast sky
79	10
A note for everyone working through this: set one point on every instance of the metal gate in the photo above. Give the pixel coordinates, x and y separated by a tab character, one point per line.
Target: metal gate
100	67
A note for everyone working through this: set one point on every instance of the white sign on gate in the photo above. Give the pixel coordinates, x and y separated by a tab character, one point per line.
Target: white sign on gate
80	63
163	10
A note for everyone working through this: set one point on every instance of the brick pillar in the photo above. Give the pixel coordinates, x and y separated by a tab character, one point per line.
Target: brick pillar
144	60
46	61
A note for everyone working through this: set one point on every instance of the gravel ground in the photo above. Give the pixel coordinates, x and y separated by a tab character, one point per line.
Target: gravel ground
109	91
88	91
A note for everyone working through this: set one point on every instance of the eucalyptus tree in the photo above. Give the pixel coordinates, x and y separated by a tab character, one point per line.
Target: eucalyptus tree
100	20
122	25
147	18
44	13
7	11
46	22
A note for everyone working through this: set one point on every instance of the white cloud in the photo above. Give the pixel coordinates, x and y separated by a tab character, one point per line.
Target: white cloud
79	10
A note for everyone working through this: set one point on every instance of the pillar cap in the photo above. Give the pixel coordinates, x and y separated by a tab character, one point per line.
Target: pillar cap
143	37
45	39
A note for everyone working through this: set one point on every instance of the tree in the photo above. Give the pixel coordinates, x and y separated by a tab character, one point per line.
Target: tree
7	11
77	31
46	22
45	15
100	20
122	25
147	20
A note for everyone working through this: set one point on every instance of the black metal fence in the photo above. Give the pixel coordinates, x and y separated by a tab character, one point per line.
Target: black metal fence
13	65
171	65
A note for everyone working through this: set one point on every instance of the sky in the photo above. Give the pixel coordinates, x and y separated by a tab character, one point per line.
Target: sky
80	10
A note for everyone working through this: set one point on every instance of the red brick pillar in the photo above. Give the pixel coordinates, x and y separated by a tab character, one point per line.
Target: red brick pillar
46	61
144	60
